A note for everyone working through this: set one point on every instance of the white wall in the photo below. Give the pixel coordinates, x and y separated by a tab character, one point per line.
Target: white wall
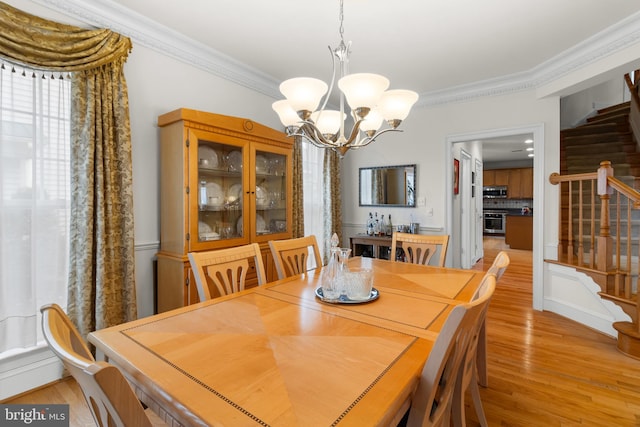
159	84
424	141
576	108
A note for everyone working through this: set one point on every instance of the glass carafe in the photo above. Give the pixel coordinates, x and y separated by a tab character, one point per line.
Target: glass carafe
343	257
331	283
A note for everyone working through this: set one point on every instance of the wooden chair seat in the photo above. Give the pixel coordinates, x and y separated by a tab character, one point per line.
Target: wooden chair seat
109	395
291	256
225	270
420	248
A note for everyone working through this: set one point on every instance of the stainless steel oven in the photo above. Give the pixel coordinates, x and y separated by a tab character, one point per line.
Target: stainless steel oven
494	222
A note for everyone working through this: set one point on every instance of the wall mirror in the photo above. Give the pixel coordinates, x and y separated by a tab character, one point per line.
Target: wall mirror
388	186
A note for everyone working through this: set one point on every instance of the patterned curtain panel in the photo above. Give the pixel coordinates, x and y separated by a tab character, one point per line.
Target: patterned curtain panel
332	196
298	189
101	271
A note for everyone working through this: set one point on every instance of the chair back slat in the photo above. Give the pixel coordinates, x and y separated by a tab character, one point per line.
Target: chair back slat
420	248
291	256
225	269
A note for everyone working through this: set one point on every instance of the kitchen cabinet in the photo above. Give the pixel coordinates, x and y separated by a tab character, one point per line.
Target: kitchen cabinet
224	181
526	183
519	181
519	232
502	177
488	177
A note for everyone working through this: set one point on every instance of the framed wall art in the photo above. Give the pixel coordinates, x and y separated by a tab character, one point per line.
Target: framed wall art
456	176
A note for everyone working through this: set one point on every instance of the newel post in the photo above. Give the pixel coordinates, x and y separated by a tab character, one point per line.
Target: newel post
604	259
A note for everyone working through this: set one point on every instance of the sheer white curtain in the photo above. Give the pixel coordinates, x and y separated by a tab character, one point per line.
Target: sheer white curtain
314	210
34	201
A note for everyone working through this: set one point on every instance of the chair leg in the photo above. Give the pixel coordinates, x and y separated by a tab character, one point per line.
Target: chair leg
477	402
481	356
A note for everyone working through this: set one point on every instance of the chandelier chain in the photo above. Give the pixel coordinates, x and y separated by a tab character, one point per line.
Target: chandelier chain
373	103
341	17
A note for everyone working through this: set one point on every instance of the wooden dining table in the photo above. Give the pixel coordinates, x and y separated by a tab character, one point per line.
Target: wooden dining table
276	355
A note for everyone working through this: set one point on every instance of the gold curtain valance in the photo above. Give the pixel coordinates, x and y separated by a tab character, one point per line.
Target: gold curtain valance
44	44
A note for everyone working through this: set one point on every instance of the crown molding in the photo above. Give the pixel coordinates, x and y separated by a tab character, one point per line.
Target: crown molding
144	31
607	42
108	14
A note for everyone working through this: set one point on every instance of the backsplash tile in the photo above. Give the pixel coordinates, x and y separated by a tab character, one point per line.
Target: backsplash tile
507	203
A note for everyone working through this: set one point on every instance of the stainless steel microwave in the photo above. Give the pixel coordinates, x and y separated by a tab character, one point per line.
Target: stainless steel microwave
494	192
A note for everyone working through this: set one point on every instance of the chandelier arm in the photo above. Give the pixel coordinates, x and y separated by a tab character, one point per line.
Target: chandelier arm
354	132
333	79
313	134
369	140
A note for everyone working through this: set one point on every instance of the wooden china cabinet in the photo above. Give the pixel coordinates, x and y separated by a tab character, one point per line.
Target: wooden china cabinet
224	181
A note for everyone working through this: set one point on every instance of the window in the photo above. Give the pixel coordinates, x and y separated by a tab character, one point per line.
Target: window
313	173
34	200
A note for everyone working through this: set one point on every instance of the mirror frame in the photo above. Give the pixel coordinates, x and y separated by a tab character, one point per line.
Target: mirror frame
411	204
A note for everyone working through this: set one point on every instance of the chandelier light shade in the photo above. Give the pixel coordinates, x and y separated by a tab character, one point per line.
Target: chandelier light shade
366	94
363	90
303	93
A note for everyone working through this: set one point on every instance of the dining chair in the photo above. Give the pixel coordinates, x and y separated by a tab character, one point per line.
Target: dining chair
291	256
110	398
420	248
498	267
434	399
500	264
226	269
468	375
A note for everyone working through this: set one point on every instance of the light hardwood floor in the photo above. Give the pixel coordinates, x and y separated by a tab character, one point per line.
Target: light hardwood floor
544	370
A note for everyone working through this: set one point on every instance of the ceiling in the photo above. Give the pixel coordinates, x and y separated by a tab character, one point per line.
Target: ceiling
424	45
429	46
506	149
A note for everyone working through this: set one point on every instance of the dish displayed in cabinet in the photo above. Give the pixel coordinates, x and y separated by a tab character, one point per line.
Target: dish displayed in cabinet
234	161
277	165
215	197
262	164
262	198
261	226
206	233
234	193
207	157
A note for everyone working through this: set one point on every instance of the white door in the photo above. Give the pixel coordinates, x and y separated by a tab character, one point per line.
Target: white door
477	201
467	212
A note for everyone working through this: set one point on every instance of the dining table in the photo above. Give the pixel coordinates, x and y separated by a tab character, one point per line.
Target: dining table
278	355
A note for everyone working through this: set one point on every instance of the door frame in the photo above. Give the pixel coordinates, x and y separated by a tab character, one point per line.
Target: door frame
537	130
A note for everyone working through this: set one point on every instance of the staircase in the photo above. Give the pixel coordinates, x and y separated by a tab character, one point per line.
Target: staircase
607	135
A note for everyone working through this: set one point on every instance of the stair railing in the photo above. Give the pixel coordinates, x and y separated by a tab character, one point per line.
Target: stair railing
587	202
634	113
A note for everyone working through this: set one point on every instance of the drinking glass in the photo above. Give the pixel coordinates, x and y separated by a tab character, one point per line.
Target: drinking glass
359	284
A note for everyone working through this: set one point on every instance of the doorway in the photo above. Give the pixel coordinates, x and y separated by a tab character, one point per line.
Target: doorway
471	142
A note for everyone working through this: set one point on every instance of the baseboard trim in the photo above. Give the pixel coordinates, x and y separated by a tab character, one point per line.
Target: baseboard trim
28	370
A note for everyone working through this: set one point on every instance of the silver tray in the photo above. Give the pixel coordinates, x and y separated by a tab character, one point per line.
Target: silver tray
344	300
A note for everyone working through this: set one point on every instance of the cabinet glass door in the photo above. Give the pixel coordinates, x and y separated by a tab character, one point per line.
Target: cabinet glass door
220	191
271	193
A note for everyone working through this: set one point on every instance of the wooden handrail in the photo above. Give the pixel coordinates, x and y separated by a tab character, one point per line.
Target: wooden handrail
596	250
625	190
555	178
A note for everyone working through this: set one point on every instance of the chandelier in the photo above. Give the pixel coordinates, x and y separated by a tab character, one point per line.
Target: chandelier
366	94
